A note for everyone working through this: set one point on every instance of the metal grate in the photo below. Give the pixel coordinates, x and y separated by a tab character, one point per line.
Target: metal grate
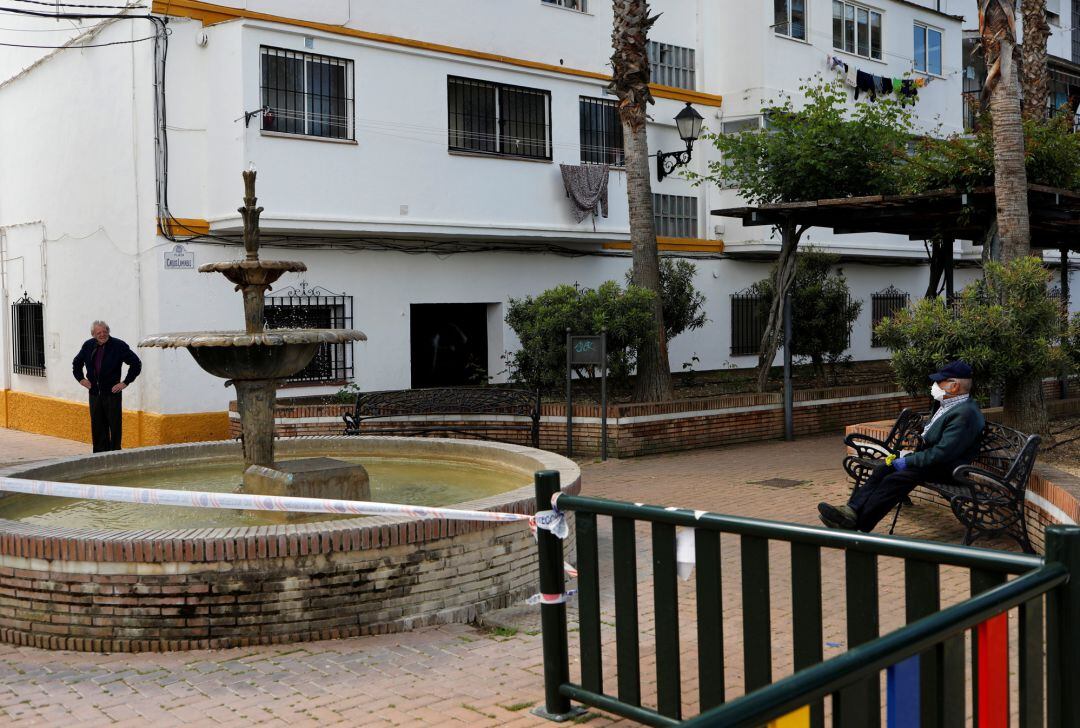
884	304
578	5
28	340
315	308
748	319
671	65
601	132
307	94
494	118
675	216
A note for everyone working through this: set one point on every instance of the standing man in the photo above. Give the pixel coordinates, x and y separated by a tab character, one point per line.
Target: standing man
100	358
951	439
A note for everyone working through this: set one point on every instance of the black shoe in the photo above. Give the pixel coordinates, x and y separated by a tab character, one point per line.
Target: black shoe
842	517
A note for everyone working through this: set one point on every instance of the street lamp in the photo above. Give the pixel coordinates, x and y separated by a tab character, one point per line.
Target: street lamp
689	124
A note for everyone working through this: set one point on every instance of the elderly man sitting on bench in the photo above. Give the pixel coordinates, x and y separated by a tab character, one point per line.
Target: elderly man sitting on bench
951	439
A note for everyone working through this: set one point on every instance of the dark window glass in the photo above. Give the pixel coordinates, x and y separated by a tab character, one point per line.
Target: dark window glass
306	94
601	132
498	119
28	337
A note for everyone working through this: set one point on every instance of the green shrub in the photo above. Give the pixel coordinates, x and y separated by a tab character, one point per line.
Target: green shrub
684	305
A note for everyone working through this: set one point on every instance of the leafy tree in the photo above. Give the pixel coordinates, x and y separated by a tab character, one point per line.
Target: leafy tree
1003	325
684	305
1070	342
541	324
822	149
630	83
823	312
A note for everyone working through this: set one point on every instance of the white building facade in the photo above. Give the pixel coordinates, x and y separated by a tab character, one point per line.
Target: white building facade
409	154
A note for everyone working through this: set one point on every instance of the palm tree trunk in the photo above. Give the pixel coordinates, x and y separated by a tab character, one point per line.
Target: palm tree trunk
782	280
1036	79
630	82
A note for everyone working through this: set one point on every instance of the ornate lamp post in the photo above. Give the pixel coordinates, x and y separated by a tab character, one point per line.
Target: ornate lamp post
689	123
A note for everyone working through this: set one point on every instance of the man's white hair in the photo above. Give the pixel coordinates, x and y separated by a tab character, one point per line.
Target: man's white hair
102	324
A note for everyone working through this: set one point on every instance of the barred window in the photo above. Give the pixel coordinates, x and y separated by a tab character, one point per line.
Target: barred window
885	304
748	319
671	65
578	5
307	94
28	336
315	308
601	132
495	118
675	216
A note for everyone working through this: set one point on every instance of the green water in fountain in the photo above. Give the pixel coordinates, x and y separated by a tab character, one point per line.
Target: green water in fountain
422	482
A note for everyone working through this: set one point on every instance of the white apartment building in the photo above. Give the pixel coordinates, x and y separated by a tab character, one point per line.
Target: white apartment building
408	153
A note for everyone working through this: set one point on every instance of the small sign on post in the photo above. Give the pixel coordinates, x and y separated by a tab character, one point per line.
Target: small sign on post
586	351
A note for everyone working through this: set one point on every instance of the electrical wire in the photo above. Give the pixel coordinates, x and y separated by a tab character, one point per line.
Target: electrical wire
79	45
77	5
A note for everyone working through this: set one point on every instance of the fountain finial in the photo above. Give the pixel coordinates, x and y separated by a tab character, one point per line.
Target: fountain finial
250	213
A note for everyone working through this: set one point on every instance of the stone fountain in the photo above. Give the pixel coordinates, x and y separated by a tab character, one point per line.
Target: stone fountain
255	361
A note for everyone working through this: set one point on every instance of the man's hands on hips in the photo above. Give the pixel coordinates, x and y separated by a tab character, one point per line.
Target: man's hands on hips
85	383
118	387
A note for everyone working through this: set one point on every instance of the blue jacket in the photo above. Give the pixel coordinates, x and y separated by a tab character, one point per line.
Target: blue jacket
952	441
117	352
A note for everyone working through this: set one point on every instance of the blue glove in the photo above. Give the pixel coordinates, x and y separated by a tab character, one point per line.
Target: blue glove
899	464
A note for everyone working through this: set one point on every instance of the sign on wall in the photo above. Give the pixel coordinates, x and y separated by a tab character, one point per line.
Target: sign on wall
179	259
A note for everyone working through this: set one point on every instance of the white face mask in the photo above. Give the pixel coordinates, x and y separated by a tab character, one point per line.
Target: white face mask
937	392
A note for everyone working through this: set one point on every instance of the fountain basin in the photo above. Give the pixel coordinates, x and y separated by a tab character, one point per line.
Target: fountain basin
170	589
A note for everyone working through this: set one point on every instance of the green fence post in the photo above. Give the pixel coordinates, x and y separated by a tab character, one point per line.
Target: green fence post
552	616
1063	630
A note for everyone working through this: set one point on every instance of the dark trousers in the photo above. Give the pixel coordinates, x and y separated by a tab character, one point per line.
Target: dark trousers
886	487
106	420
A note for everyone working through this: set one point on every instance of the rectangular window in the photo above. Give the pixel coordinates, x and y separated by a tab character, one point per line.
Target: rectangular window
675	216
307	94
789	18
495	118
748	319
28	336
315	308
671	65
601	132
578	5
856	29
927	50
885	304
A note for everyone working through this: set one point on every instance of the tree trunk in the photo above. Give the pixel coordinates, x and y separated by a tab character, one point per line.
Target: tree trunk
630	83
997	25
782	279
1036	79
1025	405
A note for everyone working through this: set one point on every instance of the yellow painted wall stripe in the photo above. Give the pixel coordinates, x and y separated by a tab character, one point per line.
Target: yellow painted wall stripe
71	420
184	227
797	719
210	14
685	245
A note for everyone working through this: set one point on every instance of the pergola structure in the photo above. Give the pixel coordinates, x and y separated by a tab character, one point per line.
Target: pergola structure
936	218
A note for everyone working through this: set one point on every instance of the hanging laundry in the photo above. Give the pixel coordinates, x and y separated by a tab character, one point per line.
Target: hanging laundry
897	85
885	85
587	187
835	63
864	83
921	81
909	92
851	76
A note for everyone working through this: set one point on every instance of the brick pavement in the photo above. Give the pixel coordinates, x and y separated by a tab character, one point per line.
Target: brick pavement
459	674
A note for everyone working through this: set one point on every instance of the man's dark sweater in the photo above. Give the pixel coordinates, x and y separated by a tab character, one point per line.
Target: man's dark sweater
951	441
116	352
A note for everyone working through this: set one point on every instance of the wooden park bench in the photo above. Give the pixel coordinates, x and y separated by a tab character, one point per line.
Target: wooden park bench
483	412
987	496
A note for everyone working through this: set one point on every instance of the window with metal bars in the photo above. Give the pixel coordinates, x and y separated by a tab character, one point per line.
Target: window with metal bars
498	119
307	94
885	304
28	336
671	65
315	308
675	216
748	319
578	5
601	132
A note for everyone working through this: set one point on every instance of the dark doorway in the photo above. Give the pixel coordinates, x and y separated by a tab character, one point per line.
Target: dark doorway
449	344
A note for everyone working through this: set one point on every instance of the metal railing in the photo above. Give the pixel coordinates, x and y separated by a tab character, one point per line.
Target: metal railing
926	658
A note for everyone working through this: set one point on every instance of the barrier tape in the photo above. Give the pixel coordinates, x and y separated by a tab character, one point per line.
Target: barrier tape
553	521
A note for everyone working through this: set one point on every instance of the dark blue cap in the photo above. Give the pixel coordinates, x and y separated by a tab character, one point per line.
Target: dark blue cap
953	370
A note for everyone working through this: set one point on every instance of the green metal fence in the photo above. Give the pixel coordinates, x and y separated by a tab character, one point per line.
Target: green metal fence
1047	662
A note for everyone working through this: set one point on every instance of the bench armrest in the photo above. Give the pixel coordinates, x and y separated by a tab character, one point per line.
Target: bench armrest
984	484
857	438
